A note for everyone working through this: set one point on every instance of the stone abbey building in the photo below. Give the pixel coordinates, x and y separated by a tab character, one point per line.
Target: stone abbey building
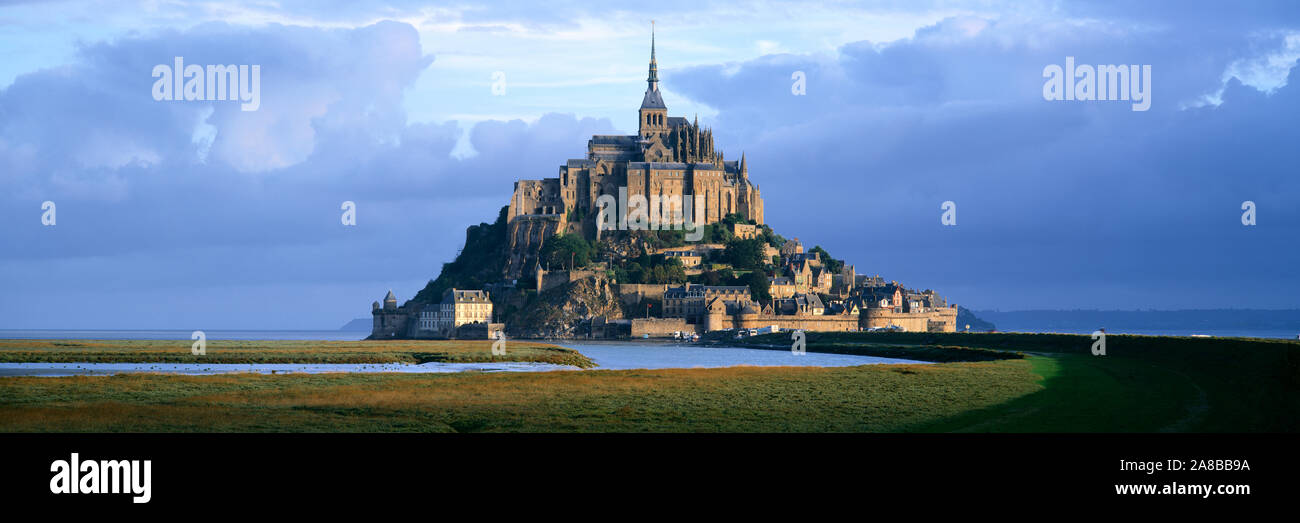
670	164
669	157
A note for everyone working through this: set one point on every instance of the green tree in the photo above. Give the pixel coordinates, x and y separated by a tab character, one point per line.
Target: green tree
734	218
759	287
675	273
671	238
569	251
717	232
830	263
772	238
708	277
745	254
634	273
723	276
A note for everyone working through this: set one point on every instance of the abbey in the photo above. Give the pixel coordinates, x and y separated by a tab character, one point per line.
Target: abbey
686	252
669	159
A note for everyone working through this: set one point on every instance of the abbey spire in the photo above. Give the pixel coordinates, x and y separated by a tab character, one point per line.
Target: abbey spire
668	160
653	116
653	79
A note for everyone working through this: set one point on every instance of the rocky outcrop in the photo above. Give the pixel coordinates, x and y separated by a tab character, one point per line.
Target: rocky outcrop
562	311
624	245
526	235
480	262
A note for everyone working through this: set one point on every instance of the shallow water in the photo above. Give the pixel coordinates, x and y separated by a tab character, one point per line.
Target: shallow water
609	356
172	334
195	369
685	355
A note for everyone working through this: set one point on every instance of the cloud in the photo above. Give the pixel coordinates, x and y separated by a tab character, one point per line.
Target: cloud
1110	207
143	210
190	214
1266	71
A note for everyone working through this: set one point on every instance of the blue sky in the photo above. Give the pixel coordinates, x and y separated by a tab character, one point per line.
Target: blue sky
198	215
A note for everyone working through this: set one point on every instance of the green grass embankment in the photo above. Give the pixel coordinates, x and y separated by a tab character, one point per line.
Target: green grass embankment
1142	384
283	351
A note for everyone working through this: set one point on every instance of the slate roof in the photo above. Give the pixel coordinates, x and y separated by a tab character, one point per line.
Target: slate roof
465	296
653	100
615	139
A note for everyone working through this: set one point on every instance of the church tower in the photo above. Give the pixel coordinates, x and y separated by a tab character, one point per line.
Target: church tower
653	113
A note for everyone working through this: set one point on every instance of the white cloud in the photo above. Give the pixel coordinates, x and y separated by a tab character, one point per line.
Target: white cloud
1266	72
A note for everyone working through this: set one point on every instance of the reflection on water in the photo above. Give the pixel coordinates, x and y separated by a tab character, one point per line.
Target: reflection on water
52	334
685	355
92	369
632	355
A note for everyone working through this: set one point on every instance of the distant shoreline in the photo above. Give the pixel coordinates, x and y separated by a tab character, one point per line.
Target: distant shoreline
330	335
180	334
1262	323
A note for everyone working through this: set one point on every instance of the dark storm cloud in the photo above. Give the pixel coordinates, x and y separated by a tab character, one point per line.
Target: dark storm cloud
200	215
1060	204
142	208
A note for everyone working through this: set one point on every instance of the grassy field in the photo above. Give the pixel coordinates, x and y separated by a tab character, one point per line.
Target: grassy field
918	352
805	399
1144	384
283	351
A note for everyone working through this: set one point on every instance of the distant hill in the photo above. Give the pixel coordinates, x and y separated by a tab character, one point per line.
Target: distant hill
1146	320
966	317
359	325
